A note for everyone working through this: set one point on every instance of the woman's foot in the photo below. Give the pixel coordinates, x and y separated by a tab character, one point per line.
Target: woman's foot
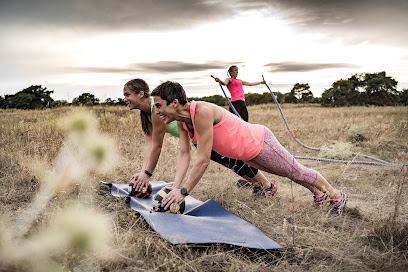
319	200
337	205
268	192
243	183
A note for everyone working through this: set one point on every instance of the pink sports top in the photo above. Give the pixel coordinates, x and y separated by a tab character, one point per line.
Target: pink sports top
236	90
232	137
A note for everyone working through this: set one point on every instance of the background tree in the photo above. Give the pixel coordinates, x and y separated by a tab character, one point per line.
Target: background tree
327	99
85	99
290	98
403	97
60	103
279	96
2	102
362	89
380	89
342	93
216	99
109	102
33	97
120	102
302	92
315	100
256	98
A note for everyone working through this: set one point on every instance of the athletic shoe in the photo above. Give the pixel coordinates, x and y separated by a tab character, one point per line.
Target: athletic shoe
243	183
337	205
318	201
259	191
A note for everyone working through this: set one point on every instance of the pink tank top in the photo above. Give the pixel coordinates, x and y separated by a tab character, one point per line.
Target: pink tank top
236	90
232	137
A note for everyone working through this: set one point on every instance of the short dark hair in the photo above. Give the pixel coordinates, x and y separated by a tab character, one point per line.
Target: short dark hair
169	91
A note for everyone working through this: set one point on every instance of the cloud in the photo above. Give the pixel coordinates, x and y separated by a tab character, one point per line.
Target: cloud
375	20
118	15
165	67
305	67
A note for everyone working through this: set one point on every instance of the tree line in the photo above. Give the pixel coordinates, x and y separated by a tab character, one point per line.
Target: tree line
360	89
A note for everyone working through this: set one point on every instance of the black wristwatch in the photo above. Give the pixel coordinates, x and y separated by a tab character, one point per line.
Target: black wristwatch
183	191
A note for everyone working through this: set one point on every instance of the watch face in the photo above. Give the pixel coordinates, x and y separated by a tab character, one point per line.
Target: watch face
183	191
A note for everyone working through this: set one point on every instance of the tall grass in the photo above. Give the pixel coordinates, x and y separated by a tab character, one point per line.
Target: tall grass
371	236
78	228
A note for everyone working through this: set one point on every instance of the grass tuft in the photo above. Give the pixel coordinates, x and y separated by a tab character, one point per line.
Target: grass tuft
337	151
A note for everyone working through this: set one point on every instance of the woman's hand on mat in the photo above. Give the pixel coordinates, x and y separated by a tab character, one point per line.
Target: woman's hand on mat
174	196
141	180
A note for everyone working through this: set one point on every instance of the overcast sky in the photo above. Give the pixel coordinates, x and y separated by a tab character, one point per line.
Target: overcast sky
96	46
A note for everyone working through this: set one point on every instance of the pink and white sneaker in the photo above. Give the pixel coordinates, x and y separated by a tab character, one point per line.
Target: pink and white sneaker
268	192
318	201
338	204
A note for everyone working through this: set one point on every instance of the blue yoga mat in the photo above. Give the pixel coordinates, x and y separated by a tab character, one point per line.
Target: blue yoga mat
202	222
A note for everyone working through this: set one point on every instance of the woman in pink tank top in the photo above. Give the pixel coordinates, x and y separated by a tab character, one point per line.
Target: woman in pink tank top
234	86
137	96
214	128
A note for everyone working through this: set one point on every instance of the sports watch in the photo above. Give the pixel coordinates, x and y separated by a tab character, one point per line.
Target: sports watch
183	191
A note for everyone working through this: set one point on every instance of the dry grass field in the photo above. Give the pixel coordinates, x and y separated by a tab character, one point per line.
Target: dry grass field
56	216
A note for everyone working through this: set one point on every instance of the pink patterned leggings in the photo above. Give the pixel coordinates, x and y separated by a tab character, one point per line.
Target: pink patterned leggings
275	159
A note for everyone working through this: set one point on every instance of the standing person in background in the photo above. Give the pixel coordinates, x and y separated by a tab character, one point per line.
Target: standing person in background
234	86
236	90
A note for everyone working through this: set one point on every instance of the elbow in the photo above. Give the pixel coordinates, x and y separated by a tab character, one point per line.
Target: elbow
185	154
156	148
203	163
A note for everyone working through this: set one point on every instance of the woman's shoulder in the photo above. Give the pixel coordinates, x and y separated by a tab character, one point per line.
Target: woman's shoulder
204	107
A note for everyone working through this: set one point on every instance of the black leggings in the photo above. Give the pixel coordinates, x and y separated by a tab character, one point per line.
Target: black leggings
238	166
241	108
